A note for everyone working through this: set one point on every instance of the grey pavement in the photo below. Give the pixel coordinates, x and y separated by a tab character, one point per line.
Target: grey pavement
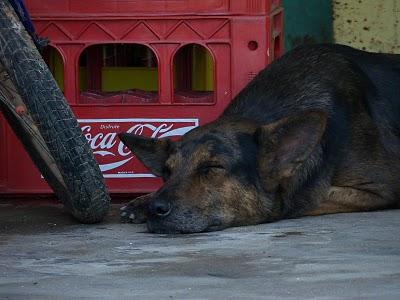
44	254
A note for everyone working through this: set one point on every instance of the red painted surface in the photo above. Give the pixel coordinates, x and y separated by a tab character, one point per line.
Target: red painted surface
3	153
242	37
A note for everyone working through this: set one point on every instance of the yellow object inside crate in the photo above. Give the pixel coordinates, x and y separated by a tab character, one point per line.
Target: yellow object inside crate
56	66
143	78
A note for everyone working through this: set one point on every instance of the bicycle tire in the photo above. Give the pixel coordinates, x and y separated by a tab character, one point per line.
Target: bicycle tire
36	150
87	197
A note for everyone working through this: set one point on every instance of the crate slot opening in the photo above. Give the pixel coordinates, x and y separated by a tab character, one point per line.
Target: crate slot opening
193	75
118	73
55	63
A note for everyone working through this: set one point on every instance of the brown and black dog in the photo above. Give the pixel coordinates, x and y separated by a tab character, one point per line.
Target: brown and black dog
316	132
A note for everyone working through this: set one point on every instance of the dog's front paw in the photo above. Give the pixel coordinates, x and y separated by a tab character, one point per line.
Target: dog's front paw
136	210
129	215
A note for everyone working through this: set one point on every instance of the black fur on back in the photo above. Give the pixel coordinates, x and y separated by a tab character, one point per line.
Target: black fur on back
337	79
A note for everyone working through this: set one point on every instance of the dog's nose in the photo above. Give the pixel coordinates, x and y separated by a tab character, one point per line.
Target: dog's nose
161	208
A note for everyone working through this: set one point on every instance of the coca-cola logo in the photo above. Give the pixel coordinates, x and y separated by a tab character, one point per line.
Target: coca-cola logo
114	158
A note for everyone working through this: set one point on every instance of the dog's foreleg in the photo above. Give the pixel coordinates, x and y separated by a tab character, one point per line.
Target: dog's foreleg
349	199
136	210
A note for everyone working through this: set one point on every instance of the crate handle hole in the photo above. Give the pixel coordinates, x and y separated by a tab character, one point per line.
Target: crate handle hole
252	45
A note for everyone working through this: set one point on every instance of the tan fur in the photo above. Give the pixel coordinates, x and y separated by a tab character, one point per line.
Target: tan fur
347	199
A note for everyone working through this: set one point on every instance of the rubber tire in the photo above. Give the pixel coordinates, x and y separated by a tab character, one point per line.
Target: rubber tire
36	154
88	199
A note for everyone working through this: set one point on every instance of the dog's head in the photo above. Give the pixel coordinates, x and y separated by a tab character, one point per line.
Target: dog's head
226	173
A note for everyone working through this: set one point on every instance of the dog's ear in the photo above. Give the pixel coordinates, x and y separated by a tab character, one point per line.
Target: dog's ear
153	153
283	146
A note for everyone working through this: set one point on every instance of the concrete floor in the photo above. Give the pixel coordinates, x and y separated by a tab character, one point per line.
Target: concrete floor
44	254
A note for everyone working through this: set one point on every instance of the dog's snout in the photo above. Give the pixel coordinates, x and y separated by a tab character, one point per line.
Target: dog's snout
160	207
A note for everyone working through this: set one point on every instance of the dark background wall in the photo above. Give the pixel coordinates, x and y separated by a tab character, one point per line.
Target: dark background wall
307	21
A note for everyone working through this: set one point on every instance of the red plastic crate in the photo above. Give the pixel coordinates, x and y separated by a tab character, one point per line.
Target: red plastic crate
242	37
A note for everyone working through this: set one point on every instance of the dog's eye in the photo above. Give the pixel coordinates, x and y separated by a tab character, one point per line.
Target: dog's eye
205	169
